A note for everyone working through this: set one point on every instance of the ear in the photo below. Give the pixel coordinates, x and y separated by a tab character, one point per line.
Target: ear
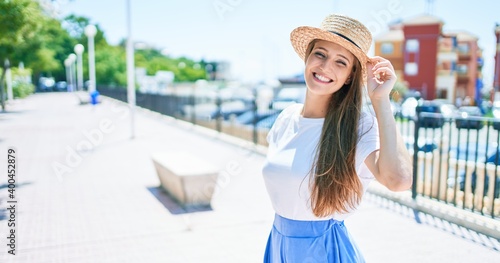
351	76
348	80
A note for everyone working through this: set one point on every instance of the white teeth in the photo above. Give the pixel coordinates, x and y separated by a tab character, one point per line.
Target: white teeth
324	79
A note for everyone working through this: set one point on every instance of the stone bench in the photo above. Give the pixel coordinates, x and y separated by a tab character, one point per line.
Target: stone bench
187	178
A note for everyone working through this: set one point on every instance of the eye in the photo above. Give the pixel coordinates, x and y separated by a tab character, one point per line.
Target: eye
319	54
341	62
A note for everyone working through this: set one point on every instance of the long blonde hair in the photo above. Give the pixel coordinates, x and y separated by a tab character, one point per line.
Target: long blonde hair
335	186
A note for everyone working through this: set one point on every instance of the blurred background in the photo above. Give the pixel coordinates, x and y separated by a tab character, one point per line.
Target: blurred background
245	41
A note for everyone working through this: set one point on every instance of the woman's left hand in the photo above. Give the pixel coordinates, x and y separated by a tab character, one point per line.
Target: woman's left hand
381	78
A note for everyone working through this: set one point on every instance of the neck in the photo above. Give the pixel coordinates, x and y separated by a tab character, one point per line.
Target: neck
315	106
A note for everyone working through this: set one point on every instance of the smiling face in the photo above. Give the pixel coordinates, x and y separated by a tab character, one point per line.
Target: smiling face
328	68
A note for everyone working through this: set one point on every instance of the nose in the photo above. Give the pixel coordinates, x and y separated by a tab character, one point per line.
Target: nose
324	67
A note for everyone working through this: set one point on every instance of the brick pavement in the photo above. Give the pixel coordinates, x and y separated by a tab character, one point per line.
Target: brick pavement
88	193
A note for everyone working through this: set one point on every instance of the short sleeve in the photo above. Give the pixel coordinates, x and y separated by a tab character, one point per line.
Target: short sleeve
368	140
277	129
272	134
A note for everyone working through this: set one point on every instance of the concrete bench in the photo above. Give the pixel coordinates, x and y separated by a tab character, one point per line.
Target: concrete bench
186	177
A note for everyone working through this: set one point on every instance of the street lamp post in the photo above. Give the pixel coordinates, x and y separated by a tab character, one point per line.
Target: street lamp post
72	60
68	76
90	31
79	50
8	79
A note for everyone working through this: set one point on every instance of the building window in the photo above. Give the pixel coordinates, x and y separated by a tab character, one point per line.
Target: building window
463	48
387	48
411	68
412	45
462	69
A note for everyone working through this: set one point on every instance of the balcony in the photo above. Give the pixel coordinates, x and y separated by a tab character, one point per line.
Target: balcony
462	77
464	51
446	73
447	56
464	55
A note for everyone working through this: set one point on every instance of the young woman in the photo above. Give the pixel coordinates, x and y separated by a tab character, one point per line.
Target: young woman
323	154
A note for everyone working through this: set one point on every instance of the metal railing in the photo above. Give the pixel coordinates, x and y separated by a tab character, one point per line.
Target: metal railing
455	166
456	162
238	117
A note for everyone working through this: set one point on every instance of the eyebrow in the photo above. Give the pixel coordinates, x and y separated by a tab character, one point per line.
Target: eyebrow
338	54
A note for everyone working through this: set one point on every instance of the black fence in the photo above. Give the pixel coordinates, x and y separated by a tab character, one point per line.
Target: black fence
457	160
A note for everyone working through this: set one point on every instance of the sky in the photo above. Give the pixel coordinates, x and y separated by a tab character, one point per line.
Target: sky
253	35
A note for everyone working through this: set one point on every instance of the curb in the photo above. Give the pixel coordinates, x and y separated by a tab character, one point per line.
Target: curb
478	223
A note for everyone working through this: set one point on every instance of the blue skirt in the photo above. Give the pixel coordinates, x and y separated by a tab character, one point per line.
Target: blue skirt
294	241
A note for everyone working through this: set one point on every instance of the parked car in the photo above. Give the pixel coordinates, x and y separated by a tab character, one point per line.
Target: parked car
429	115
46	84
470	153
466	118
434	113
61	86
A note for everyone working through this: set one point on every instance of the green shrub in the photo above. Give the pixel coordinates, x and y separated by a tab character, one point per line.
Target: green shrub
22	89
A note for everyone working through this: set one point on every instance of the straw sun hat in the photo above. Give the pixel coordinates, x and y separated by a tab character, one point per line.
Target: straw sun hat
340	29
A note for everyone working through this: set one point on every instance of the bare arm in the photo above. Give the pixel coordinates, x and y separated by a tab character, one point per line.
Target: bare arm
391	165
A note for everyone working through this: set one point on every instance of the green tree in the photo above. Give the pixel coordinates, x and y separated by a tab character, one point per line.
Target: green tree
18	23
183	68
111	66
75	26
45	52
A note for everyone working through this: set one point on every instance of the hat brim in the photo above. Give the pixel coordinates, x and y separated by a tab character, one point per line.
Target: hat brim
302	36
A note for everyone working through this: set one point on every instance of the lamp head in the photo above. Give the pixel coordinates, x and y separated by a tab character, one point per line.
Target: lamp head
90	30
79	49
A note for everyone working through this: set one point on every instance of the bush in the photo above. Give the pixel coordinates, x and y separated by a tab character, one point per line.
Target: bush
22	89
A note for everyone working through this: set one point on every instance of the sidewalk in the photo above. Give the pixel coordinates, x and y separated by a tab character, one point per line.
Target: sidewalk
86	192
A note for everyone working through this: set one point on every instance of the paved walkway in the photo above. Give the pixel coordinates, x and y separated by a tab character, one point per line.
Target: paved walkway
86	192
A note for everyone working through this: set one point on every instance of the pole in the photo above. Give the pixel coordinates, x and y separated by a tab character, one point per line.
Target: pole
68	74
2	79
72	75
130	71
92	80
8	79
66	66
79	50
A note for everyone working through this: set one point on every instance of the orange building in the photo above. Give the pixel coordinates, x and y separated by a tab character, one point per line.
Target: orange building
468	66
390	45
437	64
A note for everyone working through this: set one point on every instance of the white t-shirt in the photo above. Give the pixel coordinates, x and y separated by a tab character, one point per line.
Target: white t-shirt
292	146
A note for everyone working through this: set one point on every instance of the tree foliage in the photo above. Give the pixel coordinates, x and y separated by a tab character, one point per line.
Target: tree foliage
42	43
18	23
